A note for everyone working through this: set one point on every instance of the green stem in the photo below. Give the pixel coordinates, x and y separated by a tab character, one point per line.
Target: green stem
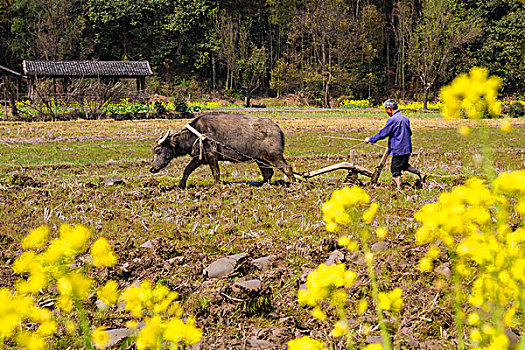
375	296
458	310
521	344
341	314
84	324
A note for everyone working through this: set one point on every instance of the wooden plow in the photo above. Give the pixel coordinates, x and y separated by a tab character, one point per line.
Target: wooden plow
353	170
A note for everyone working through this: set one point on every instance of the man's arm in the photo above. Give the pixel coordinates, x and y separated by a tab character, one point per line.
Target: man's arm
383	133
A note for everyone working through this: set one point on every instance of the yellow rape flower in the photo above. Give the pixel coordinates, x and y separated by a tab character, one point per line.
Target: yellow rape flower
343	241
305	343
74	238
335	209
149	336
362	306
392	300
318	314
472	94
340	329
464	130
30	341
100	337
425	264
475	335
26	262
473	319
176	331
381	232
373	346
103	255
370	213
36	238
47	328
510	183
109	293
506	126
74	284
321	282
132	324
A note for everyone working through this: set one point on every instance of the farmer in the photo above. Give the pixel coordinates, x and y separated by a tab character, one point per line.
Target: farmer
397	129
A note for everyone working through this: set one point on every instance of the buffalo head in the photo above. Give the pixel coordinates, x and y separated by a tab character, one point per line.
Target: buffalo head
163	153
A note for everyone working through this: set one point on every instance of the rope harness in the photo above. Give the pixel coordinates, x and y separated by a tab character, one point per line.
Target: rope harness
200	138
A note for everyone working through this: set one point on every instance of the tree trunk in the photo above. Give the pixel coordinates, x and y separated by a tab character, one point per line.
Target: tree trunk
425	97
327	95
213	73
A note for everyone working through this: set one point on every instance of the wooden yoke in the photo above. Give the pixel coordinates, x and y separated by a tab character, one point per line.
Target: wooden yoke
379	168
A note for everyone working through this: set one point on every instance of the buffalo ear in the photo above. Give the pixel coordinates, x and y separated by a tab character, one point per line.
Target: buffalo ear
173	141
164	138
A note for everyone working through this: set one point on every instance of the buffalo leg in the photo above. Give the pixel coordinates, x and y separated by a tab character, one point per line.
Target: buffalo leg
194	164
214	167
267	172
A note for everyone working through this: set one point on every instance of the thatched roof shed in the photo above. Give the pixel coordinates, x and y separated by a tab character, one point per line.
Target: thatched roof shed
66	70
86	69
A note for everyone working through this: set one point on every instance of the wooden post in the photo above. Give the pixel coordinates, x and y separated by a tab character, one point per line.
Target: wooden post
19	88
352	176
30	87
379	168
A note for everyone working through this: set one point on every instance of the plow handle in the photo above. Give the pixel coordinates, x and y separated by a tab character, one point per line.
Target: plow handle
379	168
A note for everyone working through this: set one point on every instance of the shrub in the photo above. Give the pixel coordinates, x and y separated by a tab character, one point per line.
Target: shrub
517	109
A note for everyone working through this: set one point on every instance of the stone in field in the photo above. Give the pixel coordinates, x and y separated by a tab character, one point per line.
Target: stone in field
380	246
444	270
113	180
223	266
220	268
374	339
260	344
248	286
117	334
263	263
148	244
335	257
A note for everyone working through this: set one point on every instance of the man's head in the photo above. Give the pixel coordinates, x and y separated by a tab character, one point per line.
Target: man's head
390	106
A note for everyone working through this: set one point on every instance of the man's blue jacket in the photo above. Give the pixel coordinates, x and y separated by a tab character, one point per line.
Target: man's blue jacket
397	129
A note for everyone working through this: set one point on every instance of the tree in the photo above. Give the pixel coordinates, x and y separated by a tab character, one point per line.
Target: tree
430	35
324	34
501	47
47	29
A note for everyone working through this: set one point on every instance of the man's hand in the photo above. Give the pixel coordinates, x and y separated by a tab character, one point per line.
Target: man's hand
367	140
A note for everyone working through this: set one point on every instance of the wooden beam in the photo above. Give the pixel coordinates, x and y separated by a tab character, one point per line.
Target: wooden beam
344	165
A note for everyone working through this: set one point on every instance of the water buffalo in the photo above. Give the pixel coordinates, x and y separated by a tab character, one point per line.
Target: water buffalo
226	136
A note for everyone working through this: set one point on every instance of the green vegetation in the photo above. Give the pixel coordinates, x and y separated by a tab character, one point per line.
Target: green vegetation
323	51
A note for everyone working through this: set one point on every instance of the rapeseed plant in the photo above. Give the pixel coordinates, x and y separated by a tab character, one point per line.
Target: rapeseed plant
481	226
327	285
472	94
42	266
355	104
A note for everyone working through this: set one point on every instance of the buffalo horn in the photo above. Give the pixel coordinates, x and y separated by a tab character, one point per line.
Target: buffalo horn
163	138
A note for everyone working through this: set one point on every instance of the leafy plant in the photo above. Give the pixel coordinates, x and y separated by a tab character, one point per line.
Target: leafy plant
517	109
